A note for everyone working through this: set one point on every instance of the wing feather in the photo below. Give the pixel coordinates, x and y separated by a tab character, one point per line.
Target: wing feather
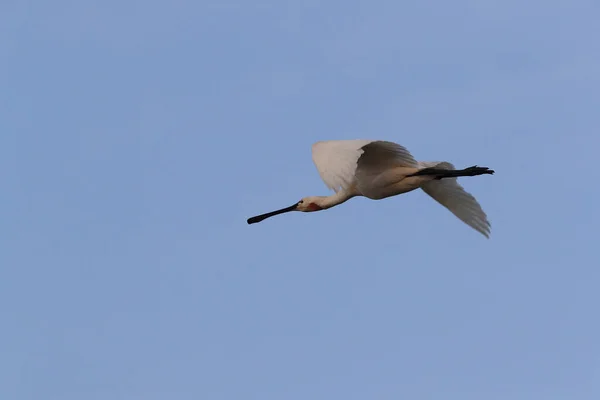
337	160
449	193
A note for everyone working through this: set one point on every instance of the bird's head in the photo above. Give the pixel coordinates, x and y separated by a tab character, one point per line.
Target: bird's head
309	204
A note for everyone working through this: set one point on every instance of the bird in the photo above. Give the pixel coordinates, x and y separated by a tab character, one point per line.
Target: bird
377	169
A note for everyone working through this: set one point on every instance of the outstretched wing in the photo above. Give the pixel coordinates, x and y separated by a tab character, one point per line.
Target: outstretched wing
449	193
337	160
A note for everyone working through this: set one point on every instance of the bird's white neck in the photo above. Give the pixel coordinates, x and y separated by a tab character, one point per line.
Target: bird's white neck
335	199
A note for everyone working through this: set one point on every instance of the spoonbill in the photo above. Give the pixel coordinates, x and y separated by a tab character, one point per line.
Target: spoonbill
377	169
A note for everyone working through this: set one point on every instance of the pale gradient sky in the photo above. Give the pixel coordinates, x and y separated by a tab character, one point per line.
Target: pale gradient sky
138	136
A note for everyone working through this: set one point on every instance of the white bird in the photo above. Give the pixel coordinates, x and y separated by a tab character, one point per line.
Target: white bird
377	169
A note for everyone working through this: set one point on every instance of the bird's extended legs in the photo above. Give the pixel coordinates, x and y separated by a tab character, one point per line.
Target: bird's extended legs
441	173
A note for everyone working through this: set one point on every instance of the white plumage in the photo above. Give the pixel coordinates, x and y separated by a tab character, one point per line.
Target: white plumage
449	193
336	161
378	169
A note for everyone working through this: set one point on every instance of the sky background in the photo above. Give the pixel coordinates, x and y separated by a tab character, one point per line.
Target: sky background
136	137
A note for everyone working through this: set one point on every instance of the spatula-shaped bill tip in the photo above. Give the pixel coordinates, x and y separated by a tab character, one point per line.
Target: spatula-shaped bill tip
261	217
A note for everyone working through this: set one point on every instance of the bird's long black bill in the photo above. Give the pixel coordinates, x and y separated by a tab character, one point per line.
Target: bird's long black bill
261	217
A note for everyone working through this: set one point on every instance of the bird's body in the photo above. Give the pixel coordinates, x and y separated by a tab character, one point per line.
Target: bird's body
378	169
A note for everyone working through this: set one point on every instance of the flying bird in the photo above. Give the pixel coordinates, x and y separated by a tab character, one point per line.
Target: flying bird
377	169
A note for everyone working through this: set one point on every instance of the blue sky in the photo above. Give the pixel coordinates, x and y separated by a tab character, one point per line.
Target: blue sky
138	136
